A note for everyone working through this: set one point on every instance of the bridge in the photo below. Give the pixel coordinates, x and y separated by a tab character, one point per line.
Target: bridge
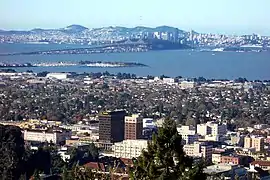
103	47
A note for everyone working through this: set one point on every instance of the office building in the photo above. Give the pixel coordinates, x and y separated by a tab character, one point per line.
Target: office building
111	126
133	127
129	148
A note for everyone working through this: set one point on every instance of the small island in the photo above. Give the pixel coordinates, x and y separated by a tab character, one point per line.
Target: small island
100	64
110	64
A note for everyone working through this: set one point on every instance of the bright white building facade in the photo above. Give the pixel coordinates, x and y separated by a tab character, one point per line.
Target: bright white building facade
199	149
46	136
188	134
129	148
60	76
212	128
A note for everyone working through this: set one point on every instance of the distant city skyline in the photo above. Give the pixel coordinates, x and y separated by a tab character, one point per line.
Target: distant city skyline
209	16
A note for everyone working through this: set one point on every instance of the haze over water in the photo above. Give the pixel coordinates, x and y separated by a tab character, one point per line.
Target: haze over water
221	65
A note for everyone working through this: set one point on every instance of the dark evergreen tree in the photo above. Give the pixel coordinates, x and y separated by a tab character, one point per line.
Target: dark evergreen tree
11	152
165	158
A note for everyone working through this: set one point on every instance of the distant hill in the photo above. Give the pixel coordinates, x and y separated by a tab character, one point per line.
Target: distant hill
75	29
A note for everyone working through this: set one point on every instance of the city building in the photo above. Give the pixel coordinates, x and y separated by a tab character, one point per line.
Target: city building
186	130
228	171
188	134
55	136
148	123
187	84
254	142
129	148
216	157
220	152
264	165
60	76
168	80
133	127
212	128
199	149
189	138
157	35
111	126
237	139
233	159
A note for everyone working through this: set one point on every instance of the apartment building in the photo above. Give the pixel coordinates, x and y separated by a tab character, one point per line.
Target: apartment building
129	148
199	149
254	142
211	128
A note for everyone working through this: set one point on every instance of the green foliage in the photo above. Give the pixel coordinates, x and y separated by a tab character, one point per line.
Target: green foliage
11	152
36	175
82	173
83	155
165	158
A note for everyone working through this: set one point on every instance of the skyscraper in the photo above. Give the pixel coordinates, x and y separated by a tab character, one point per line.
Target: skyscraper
133	127
176	35
111	126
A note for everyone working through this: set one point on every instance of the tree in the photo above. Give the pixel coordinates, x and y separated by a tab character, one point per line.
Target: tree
11	152
165	158
36	175
65	174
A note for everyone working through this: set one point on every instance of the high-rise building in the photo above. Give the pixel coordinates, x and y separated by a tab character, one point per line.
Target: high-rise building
133	127
176	35
254	142
111	126
247	142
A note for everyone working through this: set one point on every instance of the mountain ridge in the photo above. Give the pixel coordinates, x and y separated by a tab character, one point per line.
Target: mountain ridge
75	28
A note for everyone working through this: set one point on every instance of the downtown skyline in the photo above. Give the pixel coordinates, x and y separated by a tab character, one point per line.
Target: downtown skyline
142	26
223	17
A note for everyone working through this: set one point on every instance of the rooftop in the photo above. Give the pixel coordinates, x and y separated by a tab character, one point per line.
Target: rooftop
216	169
261	163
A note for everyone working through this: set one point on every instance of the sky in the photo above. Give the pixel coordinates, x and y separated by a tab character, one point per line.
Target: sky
209	16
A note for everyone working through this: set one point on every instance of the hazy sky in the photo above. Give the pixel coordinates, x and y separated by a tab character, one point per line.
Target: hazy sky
218	16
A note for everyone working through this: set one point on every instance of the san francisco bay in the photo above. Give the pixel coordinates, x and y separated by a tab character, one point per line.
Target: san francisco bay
186	63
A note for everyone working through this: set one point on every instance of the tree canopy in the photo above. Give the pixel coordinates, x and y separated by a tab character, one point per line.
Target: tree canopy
165	159
11	152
